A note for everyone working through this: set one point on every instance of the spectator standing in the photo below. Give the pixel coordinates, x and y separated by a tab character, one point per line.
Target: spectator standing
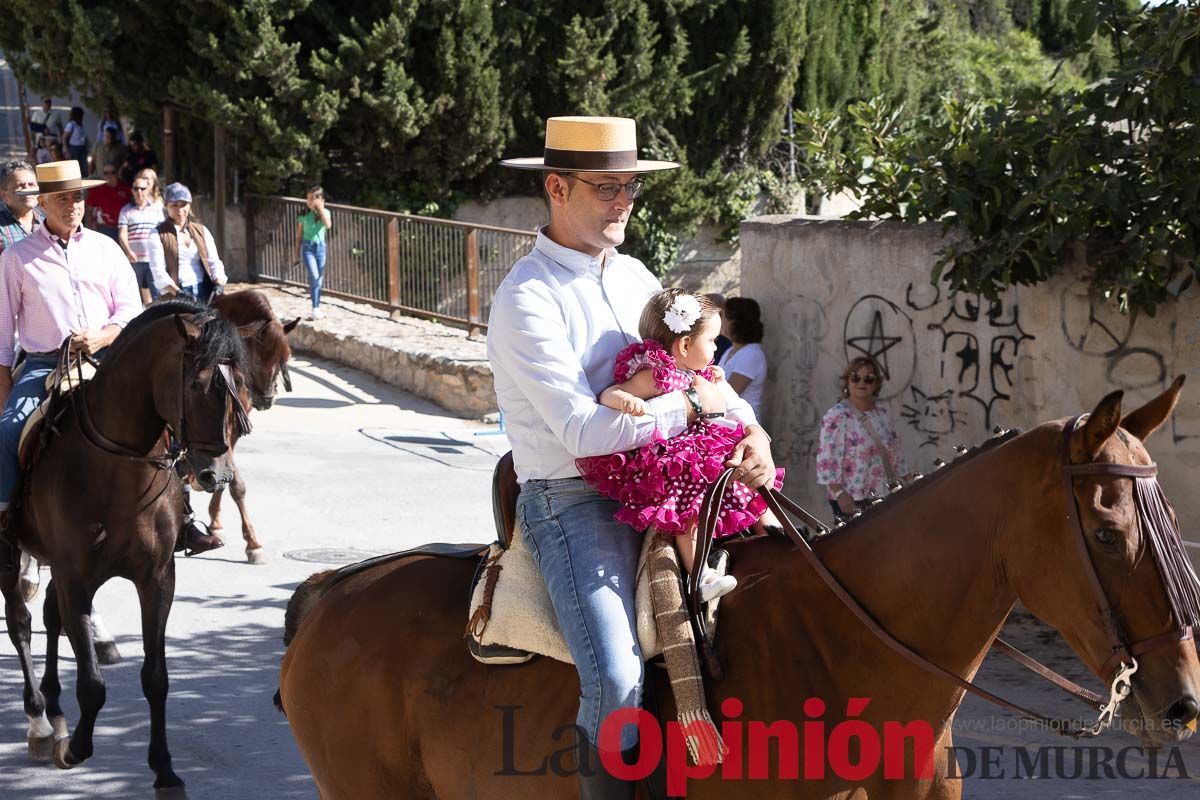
56	151
183	257
42	156
310	244
137	158
137	224
107	151
860	452
47	121
110	121
106	201
18	213
745	363
75	136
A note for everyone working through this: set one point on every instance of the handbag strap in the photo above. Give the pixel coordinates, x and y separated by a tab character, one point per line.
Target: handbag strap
884	453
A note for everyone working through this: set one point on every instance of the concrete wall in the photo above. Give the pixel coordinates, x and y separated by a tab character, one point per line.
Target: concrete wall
957	366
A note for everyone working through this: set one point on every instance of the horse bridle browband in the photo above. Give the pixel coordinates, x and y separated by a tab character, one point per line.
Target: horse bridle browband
1117	670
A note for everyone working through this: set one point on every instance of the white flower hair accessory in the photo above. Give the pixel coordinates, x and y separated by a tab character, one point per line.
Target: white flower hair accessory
682	314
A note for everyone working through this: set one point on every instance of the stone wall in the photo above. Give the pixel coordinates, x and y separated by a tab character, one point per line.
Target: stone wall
234	255
957	366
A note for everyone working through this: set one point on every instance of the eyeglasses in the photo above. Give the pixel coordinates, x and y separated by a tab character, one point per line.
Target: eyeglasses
867	379
108	173
609	191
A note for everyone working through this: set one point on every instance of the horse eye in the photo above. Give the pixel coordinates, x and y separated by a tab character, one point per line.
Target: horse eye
1108	536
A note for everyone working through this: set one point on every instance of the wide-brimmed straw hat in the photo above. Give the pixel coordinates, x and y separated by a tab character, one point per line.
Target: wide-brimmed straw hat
59	176
590	144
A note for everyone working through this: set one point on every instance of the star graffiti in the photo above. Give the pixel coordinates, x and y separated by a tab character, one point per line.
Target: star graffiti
876	343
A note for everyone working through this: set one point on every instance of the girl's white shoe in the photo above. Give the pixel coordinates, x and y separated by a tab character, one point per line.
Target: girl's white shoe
713	585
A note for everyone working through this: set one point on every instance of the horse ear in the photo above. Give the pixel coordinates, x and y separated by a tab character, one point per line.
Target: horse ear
188	327
1102	423
288	327
249	331
1150	417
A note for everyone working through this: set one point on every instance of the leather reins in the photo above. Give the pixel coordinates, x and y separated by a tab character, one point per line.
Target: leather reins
1117	671
178	442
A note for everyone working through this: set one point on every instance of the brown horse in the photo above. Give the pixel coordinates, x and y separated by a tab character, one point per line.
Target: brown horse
103	500
384	700
267	353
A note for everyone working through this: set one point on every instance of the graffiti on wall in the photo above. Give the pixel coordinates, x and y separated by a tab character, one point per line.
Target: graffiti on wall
932	416
807	326
878	328
1097	329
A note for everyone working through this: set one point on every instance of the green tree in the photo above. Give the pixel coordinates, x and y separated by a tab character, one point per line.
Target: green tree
1111	171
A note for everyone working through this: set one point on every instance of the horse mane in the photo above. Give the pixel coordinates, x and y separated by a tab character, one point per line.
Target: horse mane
249	305
886	503
219	340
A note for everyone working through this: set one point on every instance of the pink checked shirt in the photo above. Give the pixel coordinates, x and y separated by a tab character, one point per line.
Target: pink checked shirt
45	292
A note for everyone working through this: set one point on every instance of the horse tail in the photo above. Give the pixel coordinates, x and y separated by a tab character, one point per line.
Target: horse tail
303	599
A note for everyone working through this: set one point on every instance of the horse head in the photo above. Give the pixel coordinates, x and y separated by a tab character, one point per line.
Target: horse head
206	409
1100	558
267	349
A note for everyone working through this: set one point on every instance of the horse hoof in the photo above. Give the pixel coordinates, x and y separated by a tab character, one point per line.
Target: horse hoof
107	653
62	755
29	590
170	792
41	748
256	555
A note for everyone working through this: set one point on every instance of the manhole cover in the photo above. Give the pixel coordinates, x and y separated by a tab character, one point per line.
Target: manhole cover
331	555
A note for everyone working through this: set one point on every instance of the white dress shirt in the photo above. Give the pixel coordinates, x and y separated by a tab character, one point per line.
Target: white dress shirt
190	271
557	323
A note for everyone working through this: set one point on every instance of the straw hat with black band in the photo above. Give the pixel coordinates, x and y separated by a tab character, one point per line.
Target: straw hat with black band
590	144
59	176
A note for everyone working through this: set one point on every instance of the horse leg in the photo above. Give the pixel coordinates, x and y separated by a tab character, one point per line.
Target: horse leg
214	509
40	737
30	577
237	488
156	595
106	646
75	606
51	688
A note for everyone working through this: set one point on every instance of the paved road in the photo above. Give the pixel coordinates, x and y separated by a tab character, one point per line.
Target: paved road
350	467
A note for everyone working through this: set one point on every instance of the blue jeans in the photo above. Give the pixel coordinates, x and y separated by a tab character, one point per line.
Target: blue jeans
27	394
589	562
201	294
313	254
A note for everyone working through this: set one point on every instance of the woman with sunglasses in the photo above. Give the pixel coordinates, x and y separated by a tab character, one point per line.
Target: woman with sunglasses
860	451
137	225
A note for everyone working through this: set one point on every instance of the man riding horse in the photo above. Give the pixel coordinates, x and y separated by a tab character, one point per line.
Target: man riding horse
558	320
63	281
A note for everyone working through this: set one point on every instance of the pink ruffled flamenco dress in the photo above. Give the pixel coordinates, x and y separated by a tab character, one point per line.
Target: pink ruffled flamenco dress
663	483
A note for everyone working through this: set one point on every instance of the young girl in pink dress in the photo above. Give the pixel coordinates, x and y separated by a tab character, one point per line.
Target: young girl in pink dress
662	484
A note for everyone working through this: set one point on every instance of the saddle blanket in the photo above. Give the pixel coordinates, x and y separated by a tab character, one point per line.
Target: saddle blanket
67	382
522	615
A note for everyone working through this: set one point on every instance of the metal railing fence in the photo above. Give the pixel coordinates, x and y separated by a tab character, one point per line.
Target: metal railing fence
428	267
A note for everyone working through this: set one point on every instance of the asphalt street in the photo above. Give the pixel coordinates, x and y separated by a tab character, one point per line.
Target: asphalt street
345	468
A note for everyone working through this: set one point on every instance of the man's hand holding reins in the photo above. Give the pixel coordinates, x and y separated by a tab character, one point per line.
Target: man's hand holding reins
752	459
94	340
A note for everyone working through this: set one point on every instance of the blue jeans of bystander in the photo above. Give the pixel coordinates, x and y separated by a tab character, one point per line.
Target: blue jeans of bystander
313	255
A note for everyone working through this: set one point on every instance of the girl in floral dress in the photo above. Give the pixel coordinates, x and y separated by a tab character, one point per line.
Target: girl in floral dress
662	484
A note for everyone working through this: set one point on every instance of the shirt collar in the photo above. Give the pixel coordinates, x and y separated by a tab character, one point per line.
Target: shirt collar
577	262
75	237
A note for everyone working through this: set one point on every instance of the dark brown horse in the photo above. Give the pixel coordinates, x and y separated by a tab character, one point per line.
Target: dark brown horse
267	353
103	500
384	700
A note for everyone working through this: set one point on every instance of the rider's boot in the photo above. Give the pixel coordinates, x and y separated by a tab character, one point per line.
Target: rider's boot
595	782
193	539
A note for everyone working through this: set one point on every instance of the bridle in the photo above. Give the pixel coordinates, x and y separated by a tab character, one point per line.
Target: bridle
179	441
1117	670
